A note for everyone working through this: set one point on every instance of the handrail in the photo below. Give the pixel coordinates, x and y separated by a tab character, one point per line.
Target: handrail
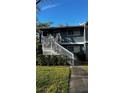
51	44
63	51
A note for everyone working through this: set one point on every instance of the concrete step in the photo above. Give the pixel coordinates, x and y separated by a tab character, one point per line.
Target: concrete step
49	52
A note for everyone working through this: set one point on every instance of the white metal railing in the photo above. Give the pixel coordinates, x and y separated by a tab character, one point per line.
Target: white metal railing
61	50
49	43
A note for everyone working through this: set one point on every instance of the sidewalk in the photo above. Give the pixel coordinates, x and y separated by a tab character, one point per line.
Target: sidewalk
78	80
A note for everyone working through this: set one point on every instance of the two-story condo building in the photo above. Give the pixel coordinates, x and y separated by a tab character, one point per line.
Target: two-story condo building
73	38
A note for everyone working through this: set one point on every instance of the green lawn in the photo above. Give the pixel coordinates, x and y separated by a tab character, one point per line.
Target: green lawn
52	79
85	68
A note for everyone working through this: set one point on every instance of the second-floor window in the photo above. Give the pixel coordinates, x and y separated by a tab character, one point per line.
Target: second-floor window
70	32
74	32
77	32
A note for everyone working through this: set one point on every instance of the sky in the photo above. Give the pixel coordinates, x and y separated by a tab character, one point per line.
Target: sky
66	12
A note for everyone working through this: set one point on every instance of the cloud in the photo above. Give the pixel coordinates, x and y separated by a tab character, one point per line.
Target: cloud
49	7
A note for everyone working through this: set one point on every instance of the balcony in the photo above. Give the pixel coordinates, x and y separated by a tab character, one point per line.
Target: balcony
73	40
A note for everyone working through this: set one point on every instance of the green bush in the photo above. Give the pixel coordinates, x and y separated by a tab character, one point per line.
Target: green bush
49	60
39	49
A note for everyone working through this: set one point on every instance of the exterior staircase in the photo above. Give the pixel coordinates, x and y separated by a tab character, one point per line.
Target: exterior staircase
51	47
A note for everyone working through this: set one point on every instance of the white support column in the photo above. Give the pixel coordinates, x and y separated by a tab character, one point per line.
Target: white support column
84	39
51	47
73	60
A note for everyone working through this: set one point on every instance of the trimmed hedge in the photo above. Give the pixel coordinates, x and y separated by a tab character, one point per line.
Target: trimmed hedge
51	60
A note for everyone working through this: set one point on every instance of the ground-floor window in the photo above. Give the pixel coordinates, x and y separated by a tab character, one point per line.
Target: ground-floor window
74	48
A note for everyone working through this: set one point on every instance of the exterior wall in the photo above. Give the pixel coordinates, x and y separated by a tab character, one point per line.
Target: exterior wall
74	48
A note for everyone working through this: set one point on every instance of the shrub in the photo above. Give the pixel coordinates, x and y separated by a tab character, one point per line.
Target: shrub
39	49
49	60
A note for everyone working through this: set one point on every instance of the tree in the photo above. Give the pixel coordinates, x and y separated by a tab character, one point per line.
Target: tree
38	7
41	25
38	3
44	25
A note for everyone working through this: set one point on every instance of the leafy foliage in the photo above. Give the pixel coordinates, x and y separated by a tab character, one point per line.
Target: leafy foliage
43	25
51	60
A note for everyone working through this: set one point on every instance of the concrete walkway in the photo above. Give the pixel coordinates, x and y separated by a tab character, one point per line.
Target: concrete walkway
78	80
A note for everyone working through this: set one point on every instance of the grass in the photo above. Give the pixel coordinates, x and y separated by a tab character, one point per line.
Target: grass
85	68
81	70
52	79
